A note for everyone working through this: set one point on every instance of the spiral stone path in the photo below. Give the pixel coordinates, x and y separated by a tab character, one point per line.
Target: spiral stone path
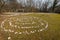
23	24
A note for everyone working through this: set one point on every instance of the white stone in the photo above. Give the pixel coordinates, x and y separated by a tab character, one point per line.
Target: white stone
38	30
41	30
15	26
32	32
33	22
23	23
22	27
16	32
20	32
26	32
9	38
9	30
5	30
35	30
18	27
12	31
42	23
10	23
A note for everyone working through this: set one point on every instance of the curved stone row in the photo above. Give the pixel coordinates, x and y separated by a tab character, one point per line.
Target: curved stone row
21	20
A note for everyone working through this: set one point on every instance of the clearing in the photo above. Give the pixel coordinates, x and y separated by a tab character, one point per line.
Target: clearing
29	26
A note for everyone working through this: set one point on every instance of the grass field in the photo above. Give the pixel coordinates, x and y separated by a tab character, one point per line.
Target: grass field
30	26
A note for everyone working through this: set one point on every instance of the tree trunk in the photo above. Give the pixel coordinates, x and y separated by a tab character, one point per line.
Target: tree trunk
54	5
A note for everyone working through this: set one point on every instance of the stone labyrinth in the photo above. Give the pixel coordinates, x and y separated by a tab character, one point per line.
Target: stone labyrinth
24	25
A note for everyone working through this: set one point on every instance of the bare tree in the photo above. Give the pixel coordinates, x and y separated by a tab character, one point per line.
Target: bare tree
1	5
40	2
12	5
54	4
28	5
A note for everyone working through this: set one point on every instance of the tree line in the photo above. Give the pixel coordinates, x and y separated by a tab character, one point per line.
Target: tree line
29	6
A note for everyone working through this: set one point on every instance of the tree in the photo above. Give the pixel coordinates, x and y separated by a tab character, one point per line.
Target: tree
54	5
12	5
39	1
57	9
45	6
2	3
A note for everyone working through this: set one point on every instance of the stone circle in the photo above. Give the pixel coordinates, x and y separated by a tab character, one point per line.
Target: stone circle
24	25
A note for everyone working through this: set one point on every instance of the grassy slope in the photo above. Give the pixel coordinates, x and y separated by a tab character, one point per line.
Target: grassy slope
52	32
